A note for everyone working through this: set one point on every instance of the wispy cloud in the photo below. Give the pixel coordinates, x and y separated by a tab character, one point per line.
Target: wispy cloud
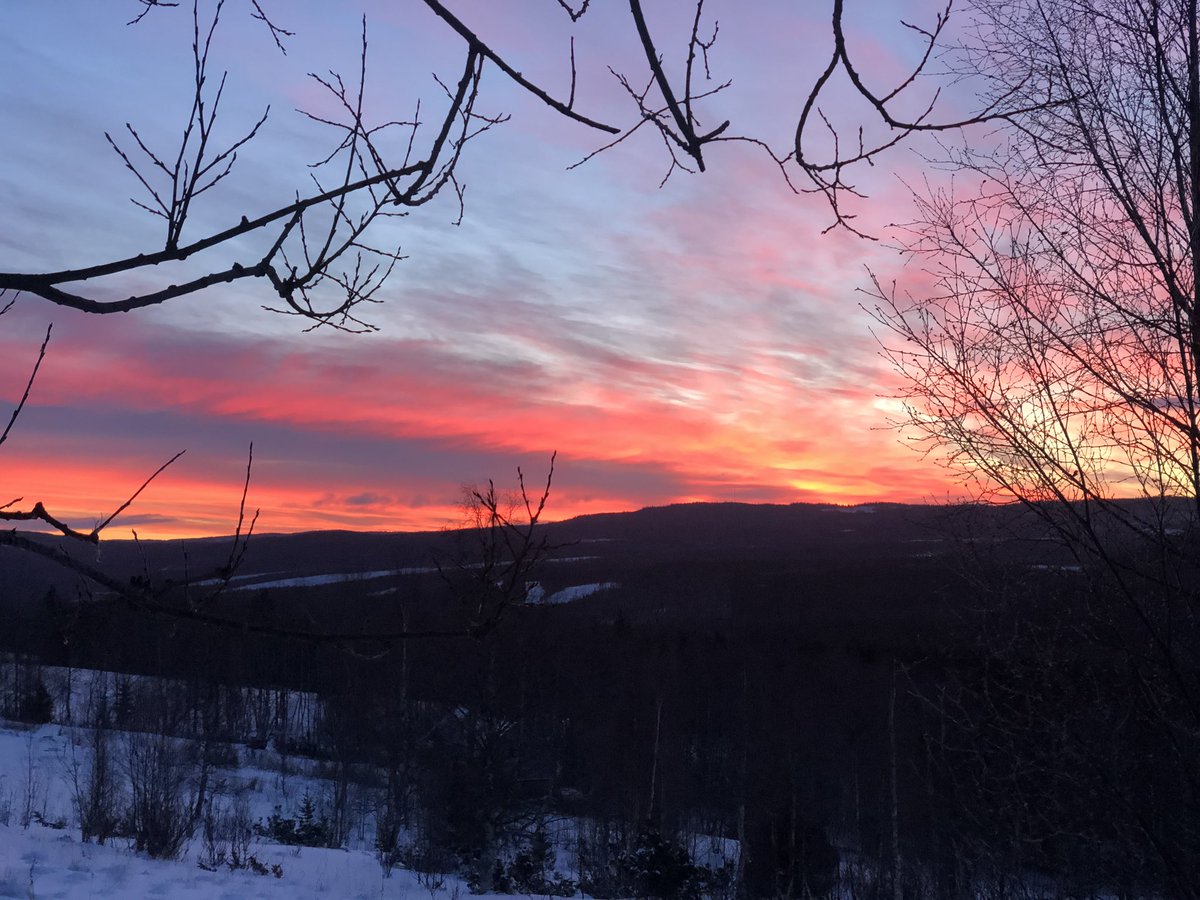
698	342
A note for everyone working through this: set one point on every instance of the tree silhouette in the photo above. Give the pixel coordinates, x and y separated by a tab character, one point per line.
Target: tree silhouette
1053	358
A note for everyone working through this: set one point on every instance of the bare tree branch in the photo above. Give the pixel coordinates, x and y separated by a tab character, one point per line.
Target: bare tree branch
827	176
478	46
16	413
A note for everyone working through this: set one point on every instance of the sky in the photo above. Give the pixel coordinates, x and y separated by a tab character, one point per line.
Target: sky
698	341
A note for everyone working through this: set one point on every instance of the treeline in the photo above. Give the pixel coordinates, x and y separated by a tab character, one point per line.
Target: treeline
942	752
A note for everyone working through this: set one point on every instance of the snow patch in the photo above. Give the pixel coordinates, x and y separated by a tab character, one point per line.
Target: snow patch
579	591
336	578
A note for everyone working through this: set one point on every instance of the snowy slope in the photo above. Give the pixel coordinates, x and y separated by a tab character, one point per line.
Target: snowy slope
46	861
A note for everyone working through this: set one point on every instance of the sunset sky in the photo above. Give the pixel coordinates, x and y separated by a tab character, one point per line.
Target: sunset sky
702	341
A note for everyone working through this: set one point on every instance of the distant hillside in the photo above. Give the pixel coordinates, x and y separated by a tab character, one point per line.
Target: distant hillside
684	542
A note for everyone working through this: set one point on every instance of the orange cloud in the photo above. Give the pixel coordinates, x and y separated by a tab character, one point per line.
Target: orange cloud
664	431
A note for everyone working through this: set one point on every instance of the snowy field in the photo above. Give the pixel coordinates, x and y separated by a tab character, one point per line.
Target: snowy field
46	858
41	862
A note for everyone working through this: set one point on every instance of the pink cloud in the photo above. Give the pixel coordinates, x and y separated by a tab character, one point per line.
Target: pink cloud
699	342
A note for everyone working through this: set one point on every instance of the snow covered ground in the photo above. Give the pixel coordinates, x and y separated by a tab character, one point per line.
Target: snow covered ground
578	592
335	578
47	859
247	791
41	862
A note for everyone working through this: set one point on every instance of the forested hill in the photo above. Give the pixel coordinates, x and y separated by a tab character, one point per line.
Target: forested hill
735	671
663	533
688	552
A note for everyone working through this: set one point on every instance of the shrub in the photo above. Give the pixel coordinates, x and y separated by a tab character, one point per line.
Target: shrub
224	756
34	704
159	814
529	872
651	866
657	866
97	792
226	831
307	829
787	856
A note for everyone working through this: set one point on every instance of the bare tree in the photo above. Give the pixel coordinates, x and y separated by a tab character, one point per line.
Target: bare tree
158	768
91	770
504	548
1052	356
1053	359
